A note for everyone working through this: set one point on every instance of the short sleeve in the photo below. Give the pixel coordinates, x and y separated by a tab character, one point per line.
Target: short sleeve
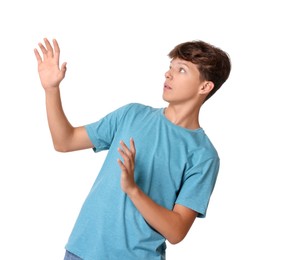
198	185
102	132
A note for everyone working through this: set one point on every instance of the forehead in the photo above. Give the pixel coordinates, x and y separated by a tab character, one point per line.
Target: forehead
181	62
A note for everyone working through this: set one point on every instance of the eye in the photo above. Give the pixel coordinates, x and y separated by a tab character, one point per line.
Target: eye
182	70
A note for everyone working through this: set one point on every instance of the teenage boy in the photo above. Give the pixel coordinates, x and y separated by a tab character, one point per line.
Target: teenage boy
161	167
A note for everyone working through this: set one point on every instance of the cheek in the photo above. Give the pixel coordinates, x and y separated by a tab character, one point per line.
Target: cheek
189	84
191	88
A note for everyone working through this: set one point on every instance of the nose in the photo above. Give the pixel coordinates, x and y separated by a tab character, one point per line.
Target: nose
168	75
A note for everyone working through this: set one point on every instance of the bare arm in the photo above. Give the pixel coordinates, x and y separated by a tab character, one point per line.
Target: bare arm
172	224
65	137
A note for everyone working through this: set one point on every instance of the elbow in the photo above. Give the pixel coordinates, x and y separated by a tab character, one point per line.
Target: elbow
61	148
175	241
177	238
180	225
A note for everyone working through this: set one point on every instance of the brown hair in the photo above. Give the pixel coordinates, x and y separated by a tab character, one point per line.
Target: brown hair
213	63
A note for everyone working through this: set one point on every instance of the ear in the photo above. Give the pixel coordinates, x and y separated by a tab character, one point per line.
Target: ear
206	87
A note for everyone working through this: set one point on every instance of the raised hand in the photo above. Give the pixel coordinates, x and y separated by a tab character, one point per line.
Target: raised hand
127	166
48	66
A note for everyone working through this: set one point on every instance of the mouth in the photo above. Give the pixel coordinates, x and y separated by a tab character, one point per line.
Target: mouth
167	87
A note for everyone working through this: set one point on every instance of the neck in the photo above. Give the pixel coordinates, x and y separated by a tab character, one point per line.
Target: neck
186	117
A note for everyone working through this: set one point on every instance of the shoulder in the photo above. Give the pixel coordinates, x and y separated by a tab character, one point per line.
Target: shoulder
125	109
203	149
137	108
209	147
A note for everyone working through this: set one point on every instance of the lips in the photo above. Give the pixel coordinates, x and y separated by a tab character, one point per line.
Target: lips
166	86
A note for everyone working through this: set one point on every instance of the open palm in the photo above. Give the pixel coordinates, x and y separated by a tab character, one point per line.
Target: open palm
48	66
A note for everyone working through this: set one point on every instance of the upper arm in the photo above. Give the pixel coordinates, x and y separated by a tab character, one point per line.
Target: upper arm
78	140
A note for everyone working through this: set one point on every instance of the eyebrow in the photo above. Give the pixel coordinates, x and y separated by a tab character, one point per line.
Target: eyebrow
181	63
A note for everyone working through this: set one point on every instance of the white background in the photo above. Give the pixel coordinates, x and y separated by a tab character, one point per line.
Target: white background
117	53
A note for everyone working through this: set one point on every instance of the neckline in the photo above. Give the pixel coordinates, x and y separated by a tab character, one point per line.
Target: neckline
162	112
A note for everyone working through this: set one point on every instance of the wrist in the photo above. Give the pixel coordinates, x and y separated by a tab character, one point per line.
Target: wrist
133	192
54	89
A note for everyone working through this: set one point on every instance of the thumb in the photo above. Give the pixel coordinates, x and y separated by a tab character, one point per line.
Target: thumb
63	69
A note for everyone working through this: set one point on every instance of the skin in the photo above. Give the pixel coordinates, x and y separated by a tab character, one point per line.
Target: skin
183	90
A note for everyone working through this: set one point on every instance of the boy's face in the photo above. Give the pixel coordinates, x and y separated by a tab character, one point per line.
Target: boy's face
182	82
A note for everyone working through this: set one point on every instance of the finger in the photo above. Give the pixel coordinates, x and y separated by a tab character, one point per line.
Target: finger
38	57
127	159
48	46
56	49
123	154
132	146
125	148
122	166
44	51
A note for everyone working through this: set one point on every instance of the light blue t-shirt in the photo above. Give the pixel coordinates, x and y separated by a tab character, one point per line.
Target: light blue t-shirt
172	165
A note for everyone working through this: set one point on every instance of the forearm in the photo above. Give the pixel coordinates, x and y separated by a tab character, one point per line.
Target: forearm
60	128
167	222
172	224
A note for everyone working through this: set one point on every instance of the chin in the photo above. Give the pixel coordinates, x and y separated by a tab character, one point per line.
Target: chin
165	99
168	100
